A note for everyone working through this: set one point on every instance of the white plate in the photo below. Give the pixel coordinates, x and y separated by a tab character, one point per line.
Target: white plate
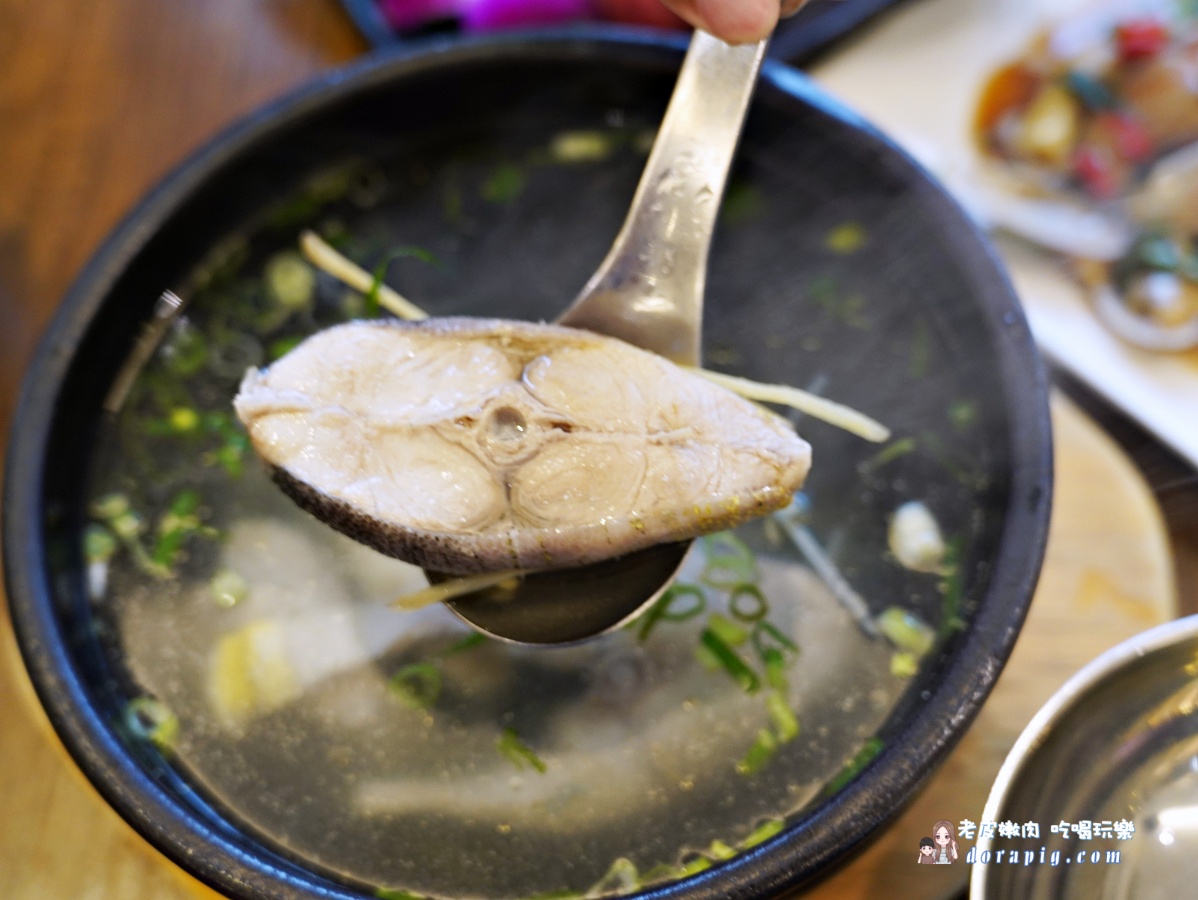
916	75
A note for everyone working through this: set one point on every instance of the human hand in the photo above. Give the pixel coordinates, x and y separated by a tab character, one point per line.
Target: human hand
735	21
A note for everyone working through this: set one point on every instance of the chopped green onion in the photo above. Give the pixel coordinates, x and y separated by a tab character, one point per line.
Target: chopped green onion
416	686
290	281
759	754
151	720
468	642
167	547
775	668
228	588
622	877
126	525
786	723
183	420
185	503
99	544
963	413
853	767
727	544
176	524
846	238
727	631
707	659
720	851
372	302
217	422
892	451
321	255
724	572
517	752
581	146
109	507
906	630
670	609
696	865
763	833
727	658
766	635
397	894
504	184
757	608
659	872
279	348
904	664
952	588
230	455
728	561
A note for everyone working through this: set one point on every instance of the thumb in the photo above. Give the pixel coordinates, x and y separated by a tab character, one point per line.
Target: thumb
734	21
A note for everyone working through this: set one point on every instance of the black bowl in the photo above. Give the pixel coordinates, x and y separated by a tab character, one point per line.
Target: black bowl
838	260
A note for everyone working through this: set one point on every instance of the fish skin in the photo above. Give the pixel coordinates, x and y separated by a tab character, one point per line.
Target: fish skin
468	445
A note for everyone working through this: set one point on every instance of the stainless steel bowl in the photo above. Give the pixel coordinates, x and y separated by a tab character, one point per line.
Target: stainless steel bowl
1108	771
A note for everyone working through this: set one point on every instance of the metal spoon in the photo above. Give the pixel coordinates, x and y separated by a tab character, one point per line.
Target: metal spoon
649	292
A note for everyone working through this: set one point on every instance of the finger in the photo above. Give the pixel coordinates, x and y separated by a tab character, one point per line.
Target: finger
735	21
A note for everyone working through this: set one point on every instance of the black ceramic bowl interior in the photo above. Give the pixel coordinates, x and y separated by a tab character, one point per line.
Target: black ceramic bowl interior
286	736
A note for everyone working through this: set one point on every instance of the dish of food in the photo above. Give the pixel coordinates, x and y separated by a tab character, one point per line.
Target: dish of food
894	75
237	686
1105	105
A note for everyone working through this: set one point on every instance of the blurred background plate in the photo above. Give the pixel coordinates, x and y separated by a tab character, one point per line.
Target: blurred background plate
894	75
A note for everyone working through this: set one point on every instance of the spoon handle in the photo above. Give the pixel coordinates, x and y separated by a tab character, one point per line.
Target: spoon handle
649	289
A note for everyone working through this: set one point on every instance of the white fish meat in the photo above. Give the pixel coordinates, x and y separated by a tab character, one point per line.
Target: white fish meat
471	445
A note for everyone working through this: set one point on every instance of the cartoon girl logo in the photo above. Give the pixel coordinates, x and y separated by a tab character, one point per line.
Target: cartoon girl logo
927	852
944	840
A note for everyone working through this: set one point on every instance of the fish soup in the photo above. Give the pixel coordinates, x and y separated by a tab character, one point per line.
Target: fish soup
400	752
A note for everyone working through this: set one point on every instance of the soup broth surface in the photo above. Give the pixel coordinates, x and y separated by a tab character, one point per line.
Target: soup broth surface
395	751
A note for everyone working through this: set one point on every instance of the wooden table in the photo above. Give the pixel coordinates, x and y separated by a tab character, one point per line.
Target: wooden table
97	101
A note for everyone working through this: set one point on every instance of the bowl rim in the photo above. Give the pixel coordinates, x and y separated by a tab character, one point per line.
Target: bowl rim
832	830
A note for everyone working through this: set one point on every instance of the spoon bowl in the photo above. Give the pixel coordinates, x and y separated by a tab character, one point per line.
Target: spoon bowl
570	605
